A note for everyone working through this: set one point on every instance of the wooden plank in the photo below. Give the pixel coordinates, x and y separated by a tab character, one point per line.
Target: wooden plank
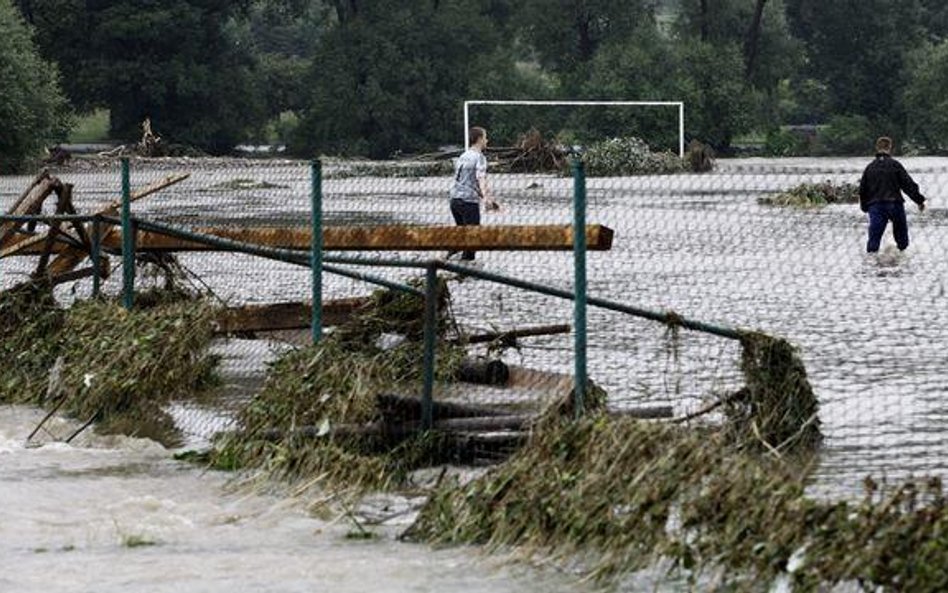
282	316
29	203
380	238
69	256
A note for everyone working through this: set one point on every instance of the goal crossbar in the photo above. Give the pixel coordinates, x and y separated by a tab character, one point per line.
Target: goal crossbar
679	104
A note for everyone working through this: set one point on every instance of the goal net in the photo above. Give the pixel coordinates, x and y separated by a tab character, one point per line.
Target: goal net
660	123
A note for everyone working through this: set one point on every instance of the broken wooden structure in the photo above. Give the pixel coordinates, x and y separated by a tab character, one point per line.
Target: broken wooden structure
466	433
63	247
67	244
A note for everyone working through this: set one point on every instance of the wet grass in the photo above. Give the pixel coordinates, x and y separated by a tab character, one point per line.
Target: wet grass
615	496
100	362
331	390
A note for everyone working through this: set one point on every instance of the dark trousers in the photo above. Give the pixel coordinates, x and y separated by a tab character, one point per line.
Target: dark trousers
466	214
880	214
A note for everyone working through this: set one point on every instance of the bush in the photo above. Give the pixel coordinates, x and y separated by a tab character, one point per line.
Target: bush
33	112
846	135
629	156
787	142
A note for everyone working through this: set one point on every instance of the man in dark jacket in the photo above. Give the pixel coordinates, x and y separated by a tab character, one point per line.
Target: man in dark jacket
880	194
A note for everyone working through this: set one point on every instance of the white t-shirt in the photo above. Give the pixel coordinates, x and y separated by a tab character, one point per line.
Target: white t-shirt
469	167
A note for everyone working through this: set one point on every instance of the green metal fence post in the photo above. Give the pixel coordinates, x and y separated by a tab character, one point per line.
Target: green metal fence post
96	256
316	253
128	240
579	288
431	328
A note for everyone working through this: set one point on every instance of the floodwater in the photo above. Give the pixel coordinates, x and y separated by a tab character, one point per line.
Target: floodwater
110	514
870	329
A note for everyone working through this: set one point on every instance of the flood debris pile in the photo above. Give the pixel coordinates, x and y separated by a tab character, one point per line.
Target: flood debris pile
326	413
536	153
629	156
814	195
610	496
533	153
29	316
776	411
61	247
99	362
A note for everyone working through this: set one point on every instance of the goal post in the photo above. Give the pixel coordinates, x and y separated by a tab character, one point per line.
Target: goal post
680	105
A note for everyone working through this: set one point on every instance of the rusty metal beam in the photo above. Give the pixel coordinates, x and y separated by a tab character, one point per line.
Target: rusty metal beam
380	238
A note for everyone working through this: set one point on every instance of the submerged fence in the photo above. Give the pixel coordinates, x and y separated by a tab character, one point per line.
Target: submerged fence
691	252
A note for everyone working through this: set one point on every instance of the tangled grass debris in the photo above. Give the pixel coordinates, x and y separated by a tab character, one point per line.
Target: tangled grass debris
115	366
333	387
618	495
776	410
814	195
29	315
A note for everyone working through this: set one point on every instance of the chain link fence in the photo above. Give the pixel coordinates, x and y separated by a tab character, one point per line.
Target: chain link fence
706	247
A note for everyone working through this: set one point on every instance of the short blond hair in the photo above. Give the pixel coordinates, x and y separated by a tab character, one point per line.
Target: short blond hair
884	144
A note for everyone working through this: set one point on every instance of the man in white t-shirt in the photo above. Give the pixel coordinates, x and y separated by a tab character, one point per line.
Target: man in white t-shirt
470	185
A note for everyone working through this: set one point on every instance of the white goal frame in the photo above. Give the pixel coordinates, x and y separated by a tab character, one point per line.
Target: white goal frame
679	104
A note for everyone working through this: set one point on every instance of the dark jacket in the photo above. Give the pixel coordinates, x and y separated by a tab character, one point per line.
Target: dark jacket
884	180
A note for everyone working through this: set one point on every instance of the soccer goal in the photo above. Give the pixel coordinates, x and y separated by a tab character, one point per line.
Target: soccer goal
678	106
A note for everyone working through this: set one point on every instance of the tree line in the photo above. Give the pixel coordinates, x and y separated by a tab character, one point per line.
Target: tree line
378	77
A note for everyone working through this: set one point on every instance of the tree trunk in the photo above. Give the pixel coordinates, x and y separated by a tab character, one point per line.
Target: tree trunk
752	45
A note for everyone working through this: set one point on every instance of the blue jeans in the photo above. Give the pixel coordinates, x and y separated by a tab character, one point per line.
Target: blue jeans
880	214
465	214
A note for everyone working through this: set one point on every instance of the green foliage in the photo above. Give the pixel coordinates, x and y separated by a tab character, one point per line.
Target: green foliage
784	142
925	99
707	77
93	127
118	366
935	18
566	35
179	62
727	22
628	156
846	134
33	112
859	50
802	101
392	77
711	83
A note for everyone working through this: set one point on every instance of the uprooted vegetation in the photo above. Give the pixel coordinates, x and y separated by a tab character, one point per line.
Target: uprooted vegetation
318	415
722	501
814	195
535	153
611	496
98	361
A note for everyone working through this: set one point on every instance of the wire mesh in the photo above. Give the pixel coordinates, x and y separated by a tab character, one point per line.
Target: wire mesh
869	327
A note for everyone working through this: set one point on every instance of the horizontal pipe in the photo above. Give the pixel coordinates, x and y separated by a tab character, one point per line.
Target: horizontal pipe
283	255
295	257
49	218
667	318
